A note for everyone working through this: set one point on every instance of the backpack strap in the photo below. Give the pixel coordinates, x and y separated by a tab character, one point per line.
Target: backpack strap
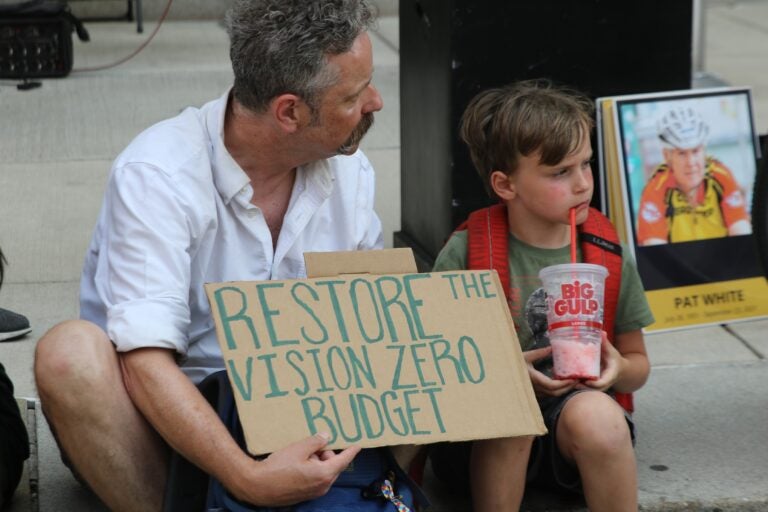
600	245
717	187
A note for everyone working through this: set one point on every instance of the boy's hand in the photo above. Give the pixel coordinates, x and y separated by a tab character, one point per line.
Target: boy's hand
610	367
543	385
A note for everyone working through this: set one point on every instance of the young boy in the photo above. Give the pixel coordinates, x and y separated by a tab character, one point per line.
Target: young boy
530	144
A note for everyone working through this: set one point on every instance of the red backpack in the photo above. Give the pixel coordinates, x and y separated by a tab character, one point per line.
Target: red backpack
488	247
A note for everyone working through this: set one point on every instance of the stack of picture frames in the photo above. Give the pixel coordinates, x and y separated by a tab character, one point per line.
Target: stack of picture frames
677	172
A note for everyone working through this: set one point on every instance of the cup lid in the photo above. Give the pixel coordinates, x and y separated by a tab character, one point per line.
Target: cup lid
573	267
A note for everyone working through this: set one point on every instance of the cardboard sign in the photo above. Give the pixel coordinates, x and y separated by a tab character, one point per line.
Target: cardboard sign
374	360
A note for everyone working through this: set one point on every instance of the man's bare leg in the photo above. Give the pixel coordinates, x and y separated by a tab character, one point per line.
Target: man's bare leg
108	441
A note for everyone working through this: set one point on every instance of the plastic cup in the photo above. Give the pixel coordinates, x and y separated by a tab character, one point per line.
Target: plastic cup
575	294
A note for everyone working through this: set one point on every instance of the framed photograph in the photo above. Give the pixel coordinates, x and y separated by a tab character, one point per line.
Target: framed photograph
680	170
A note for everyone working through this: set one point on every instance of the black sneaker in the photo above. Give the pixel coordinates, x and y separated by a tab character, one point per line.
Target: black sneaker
13	325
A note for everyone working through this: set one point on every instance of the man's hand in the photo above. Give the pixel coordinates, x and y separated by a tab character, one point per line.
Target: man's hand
301	471
543	385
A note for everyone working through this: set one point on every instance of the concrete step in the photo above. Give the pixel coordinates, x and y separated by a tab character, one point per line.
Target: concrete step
26	497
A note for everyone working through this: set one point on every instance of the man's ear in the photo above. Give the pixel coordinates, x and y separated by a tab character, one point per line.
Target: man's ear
503	185
290	112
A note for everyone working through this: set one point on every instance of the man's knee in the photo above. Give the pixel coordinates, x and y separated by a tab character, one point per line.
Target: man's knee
72	351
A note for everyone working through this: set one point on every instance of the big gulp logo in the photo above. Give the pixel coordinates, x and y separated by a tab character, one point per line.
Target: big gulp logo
576	298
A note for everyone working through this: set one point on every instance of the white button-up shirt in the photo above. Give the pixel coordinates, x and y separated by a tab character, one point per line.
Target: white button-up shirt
177	214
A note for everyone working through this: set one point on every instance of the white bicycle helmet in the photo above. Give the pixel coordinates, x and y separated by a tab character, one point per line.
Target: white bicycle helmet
682	128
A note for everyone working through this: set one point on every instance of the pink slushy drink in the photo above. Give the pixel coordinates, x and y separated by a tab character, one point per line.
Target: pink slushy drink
575	358
575	316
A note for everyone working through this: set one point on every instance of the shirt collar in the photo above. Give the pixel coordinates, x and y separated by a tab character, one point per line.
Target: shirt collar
320	177
228	177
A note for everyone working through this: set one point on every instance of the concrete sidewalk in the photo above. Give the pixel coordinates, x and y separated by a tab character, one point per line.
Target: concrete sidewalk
702	418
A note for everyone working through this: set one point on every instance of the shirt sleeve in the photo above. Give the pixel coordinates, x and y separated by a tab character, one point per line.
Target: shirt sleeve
632	311
371	234
374	237
143	275
453	256
733	204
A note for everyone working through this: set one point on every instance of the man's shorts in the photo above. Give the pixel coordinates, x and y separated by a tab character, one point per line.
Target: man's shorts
547	467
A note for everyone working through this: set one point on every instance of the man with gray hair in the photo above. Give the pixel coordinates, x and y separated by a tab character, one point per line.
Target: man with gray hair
236	190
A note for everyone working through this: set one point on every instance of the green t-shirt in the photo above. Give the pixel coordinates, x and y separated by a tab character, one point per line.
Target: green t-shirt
527	302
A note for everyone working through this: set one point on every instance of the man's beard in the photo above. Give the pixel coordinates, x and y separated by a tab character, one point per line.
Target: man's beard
350	145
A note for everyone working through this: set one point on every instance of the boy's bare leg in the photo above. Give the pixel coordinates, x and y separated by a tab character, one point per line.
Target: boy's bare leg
497	471
95	423
593	433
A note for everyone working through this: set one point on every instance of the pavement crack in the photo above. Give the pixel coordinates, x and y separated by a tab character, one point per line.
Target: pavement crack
746	343
708	364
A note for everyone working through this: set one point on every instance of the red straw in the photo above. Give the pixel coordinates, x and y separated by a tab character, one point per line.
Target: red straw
573	234
572	218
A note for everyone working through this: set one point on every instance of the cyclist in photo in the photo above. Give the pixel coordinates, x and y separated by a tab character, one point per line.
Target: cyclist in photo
691	196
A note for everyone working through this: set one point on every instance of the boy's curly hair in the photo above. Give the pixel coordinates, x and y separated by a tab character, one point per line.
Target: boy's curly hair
501	125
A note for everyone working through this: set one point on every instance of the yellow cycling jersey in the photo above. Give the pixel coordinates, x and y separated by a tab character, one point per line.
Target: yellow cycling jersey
699	222
666	214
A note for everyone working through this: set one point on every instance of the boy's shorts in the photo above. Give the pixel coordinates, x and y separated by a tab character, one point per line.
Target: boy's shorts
547	467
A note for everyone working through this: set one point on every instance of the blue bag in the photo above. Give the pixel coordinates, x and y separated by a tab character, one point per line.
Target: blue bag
372	483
